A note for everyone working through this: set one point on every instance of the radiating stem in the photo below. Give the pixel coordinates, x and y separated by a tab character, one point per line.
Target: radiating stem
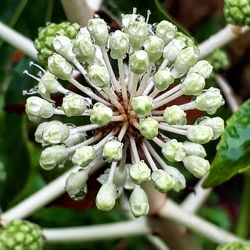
148	157
148	88
159	142
105	139
113	99
85	128
172	129
144	81
123	131
168	99
122	79
133	149
168	93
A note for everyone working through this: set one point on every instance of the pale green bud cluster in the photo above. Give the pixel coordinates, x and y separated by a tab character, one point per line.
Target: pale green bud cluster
142	105
219	59
174	115
99	76
112	150
163	78
148	128
73	105
101	114
166	31
200	134
209	101
173	151
162	181
139	62
140	172
83	156
154	47
192	148
193	84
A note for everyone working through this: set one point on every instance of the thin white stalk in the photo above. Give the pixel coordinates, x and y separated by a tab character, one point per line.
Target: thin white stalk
144	81
122	79
98	232
168	93
112	97
187	106
133	149
110	70
219	39
148	88
112	171
210	231
159	142
172	129
85	128
133	83
117	118
104	140
44	196
155	93
123	131
168	99
163	64
158	118
149	157
17	40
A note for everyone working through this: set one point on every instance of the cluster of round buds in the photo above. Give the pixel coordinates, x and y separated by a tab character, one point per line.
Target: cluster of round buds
237	12
126	115
219	59
21	235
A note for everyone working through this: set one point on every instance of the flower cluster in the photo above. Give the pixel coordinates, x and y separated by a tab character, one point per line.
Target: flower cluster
130	118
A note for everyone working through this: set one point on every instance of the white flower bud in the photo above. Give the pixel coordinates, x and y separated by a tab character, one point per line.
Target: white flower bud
178	178
209	101
200	134
184	61
173	151
216	123
39	132
139	62
53	156
101	114
166	31
142	105
60	67
112	150
63	46
74	139
193	84
149	128
128	19
196	165
163	78
154	47
99	75
55	132
73	105
174	115
50	83
38	107
76	185
119	44
192	148
140	172
98	29
173	50
137	32
83	47
106	196
162	181
83	156
203	68
138	201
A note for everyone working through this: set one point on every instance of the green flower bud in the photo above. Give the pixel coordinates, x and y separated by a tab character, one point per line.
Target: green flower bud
149	128
128	19
101	114
173	151
83	156
49	82
21	235
142	105
53	156
178	178
54	132
237	12
234	246
196	165
83	47
119	44
200	134
154	47
137	32
162	181
163	78
173	49
140	172
203	68
63	46
209	101
188	41
139	62
219	59
138	201
76	185
174	115
60	67
99	76
38	107
112	150
193	84
166	31
192	148
98	29
73	105
217	125
184	61
105	199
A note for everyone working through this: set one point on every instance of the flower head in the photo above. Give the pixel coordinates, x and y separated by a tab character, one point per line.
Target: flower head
128	117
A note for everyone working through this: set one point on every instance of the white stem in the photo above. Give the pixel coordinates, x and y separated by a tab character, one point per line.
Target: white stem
133	149
187	106
158	118
172	129
173	212
112	97
155	93
117	118
148	88
168	93
149	157
112	171
98	232
122	79
133	83
163	64
123	131
17	40
218	40
104	140
85	128
144	81
168	99
159	142
110	70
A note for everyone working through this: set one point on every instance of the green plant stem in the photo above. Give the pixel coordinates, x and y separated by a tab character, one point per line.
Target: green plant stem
243	220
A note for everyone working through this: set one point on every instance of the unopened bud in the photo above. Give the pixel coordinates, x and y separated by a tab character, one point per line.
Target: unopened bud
154	47
174	115
142	105
50	83
112	150
83	156
173	50
73	105
101	114
162	181
216	123
193	84
163	78
203	68
139	172
173	151
139	62
149	128
166	31
192	148
99	76
200	134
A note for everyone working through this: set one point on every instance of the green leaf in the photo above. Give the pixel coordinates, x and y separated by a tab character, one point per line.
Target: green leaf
233	150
